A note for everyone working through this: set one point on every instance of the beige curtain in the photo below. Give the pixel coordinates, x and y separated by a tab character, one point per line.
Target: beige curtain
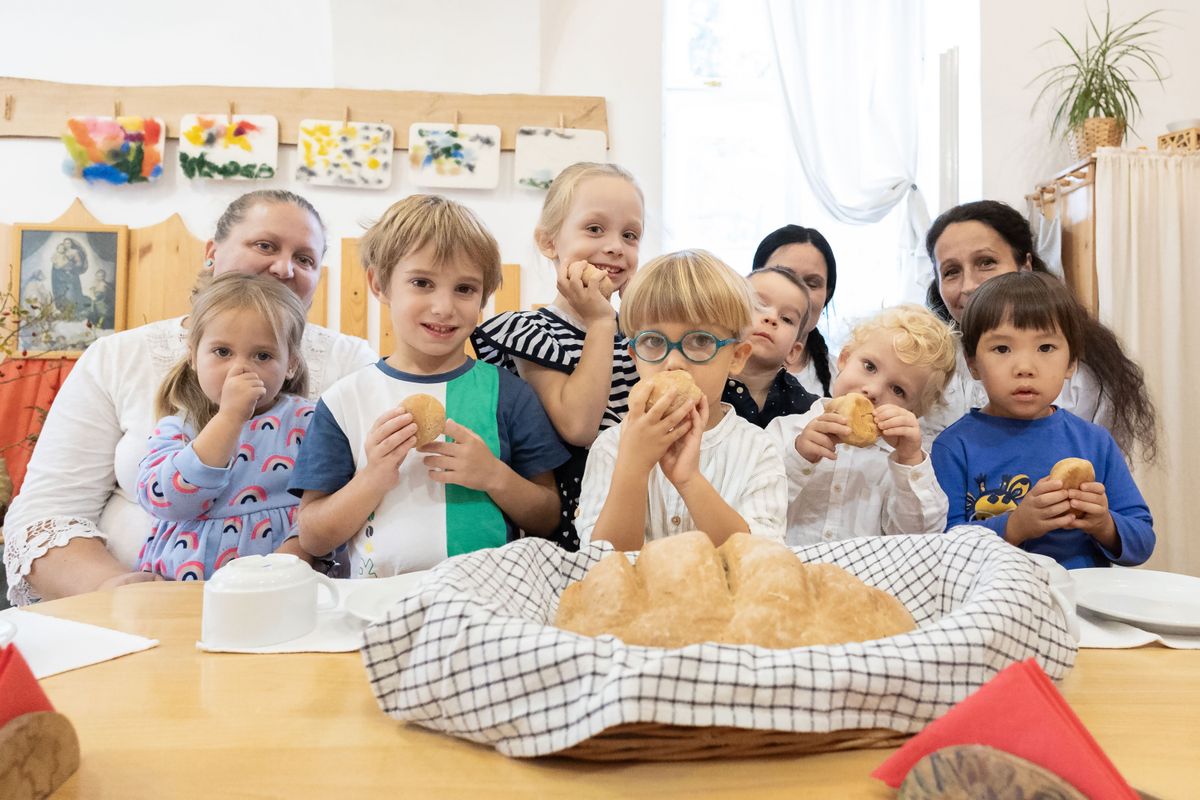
1148	269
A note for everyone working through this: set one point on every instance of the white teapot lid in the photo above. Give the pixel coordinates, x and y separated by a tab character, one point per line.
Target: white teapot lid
254	573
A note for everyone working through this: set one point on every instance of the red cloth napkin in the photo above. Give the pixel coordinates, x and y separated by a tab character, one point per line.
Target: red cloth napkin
1020	712
19	690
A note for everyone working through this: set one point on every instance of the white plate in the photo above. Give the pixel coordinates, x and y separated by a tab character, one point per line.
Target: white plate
370	598
1157	601
8	632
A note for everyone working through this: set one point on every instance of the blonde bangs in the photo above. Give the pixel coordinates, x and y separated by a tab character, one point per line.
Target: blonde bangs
692	287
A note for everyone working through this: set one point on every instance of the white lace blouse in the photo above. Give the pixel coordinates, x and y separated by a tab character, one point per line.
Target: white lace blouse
83	474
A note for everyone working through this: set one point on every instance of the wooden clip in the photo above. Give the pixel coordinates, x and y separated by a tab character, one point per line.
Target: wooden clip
456	119
346	118
229	117
561	126
8	105
116	108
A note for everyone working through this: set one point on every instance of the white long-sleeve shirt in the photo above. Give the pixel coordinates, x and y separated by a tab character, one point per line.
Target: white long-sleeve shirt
82	478
740	461
864	492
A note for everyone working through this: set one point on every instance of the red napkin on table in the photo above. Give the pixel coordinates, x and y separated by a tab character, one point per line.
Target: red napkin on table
19	690
1020	712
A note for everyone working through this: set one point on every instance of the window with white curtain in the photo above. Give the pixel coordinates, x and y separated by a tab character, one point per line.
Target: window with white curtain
731	171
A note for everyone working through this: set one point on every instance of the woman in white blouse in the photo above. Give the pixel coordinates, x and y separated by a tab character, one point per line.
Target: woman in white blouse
75	526
974	242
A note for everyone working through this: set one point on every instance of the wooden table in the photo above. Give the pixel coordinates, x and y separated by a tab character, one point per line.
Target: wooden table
175	722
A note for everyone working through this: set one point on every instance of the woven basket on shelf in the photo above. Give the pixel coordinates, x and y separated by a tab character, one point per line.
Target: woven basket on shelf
1184	141
1094	132
649	741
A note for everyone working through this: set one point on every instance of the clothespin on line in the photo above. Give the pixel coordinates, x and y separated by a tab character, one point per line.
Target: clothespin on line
229	117
346	118
8	106
456	120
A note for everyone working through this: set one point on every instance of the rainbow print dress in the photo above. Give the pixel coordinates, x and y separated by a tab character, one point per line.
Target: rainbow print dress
205	516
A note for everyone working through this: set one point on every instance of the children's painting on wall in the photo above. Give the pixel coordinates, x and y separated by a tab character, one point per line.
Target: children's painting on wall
454	157
114	149
71	286
228	146
340	153
542	153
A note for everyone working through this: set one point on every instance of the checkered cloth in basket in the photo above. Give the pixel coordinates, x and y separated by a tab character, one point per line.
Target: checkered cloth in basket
471	651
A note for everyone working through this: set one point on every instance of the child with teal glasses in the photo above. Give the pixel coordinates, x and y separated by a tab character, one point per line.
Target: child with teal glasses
700	466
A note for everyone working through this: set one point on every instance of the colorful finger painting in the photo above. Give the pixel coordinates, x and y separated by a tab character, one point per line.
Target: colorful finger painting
462	157
542	153
355	154
114	149
224	147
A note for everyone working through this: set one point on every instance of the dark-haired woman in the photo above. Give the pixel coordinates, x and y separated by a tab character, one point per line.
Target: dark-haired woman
806	254
974	242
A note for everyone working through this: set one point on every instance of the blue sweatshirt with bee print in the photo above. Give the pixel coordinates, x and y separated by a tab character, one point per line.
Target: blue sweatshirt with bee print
987	464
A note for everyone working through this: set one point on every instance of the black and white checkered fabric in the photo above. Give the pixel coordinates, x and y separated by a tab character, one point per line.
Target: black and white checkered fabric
471	652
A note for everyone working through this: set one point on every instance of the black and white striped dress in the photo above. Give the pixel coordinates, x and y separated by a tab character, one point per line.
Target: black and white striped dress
545	337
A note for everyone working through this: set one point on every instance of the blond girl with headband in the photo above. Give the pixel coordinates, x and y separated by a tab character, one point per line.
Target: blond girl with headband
572	352
695	465
233	415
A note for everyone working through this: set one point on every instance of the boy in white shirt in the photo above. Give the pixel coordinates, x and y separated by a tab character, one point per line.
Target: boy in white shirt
700	466
900	359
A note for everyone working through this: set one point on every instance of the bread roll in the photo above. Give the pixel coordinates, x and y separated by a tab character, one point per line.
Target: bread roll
1073	472
860	411
592	273
751	590
686	390
429	414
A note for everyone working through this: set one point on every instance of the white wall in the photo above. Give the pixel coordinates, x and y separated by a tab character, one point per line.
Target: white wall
583	47
1017	150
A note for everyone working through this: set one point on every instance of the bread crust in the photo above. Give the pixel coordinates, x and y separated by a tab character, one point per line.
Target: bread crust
686	390
429	414
1073	472
860	412
751	590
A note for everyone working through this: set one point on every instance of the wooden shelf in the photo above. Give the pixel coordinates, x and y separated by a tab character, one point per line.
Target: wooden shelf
40	109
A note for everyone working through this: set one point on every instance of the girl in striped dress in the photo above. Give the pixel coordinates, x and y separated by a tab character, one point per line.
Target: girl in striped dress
572	352
233	416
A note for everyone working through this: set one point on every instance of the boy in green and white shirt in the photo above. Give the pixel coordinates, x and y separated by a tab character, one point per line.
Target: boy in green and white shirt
433	265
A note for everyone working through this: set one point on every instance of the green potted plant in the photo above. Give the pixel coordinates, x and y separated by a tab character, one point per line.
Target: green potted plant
1092	93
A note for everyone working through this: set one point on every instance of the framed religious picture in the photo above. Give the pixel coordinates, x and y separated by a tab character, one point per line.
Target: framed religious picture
70	286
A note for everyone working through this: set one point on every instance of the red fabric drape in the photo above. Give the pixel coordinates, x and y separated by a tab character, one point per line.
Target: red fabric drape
26	385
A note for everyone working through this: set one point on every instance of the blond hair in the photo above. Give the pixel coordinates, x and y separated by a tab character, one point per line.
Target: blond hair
919	339
421	220
562	190
180	392
690	286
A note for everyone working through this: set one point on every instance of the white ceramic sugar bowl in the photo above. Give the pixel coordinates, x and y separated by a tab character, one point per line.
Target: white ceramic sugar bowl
255	601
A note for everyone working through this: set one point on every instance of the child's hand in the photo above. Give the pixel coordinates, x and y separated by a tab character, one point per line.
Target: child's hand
588	301
466	461
1089	503
900	429
647	433
820	437
388	442
1044	509
681	462
241	393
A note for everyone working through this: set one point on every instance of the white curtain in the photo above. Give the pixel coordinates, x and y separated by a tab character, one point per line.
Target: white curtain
1148	272
850	72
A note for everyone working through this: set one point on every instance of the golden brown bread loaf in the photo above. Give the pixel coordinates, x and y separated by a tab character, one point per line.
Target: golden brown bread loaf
1073	472
751	590
592	273
686	390
861	412
429	414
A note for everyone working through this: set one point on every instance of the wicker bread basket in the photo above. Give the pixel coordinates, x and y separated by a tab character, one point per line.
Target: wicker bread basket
470	653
